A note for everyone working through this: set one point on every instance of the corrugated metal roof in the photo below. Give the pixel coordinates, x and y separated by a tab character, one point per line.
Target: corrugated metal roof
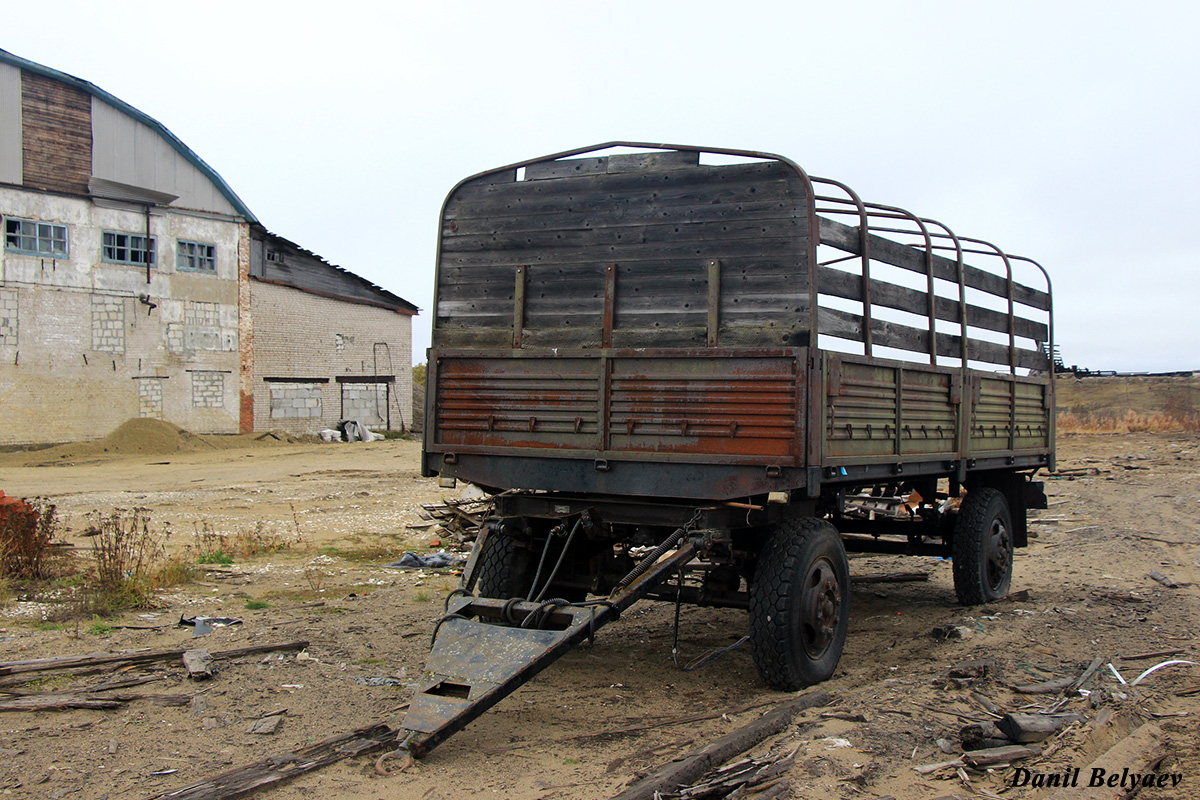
337	282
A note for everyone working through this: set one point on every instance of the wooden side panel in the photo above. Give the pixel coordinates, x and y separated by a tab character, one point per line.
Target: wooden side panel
660	222
722	407
57	135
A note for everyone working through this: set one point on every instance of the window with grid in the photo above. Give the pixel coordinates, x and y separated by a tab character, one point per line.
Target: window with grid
35	238
127	248
195	256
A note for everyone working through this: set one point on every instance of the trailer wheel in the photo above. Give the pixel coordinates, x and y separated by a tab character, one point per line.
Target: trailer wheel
503	568
982	547
800	604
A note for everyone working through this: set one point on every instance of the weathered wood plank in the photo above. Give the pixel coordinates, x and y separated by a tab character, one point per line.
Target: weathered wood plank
284	766
624	252
136	657
846	325
689	768
648	232
617	215
849	286
846	237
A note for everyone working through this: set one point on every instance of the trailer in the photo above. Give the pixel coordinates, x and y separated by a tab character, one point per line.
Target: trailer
704	375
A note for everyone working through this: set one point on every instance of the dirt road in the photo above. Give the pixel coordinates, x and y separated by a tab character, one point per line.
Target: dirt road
1131	506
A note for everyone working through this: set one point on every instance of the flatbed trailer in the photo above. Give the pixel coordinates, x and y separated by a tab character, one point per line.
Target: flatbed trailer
706	374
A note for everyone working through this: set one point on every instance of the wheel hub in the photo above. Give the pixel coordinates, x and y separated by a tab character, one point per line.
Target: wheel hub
821	609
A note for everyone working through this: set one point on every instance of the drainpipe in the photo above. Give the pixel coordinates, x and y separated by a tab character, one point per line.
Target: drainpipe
147	251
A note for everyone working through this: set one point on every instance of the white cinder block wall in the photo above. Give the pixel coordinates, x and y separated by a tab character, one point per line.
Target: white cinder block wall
303	344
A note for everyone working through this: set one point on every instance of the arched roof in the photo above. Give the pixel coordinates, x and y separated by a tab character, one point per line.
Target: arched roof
171	139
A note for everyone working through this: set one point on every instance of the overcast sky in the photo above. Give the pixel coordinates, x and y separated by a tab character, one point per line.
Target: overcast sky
1066	132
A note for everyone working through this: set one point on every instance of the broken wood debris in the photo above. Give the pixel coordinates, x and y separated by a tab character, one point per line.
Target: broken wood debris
198	663
1162	578
1154	654
457	519
1136	753
61	701
1025	728
691	767
1068	684
284	766
135	657
890	577
1000	755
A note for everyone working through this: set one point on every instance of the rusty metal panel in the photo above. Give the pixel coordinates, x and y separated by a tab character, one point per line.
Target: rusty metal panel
517	402
715	406
746	406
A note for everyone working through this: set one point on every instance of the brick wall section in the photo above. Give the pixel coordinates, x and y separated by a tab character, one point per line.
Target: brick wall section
208	390
8	317
296	403
297	335
108	324
150	397
79	365
366	402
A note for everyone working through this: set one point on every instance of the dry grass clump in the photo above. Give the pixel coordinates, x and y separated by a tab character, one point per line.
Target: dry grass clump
210	546
1131	422
130	561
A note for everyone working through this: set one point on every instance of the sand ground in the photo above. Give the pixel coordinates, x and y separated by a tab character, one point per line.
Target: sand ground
1132	506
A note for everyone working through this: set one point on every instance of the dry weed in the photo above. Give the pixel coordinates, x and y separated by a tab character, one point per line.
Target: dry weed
1131	422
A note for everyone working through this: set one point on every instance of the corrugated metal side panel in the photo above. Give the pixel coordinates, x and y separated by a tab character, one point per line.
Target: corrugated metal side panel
56	135
10	124
862	419
861	411
740	409
518	403
1033	417
991	415
127	151
737	406
928	414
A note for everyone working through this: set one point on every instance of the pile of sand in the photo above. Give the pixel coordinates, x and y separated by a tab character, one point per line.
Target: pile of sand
136	437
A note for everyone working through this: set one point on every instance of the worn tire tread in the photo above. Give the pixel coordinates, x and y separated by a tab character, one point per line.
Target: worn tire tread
968	546
500	568
778	569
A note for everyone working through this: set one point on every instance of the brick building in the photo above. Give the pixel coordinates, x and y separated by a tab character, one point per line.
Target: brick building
135	282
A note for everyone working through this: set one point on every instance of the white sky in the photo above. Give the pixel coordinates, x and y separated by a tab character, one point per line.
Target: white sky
1062	131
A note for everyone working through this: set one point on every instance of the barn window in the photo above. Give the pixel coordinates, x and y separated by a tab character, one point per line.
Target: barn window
195	256
35	238
127	248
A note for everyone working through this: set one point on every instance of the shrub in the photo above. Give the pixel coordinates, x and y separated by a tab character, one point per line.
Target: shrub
27	531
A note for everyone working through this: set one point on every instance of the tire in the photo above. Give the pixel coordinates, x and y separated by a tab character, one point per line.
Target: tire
800	604
503	568
982	548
